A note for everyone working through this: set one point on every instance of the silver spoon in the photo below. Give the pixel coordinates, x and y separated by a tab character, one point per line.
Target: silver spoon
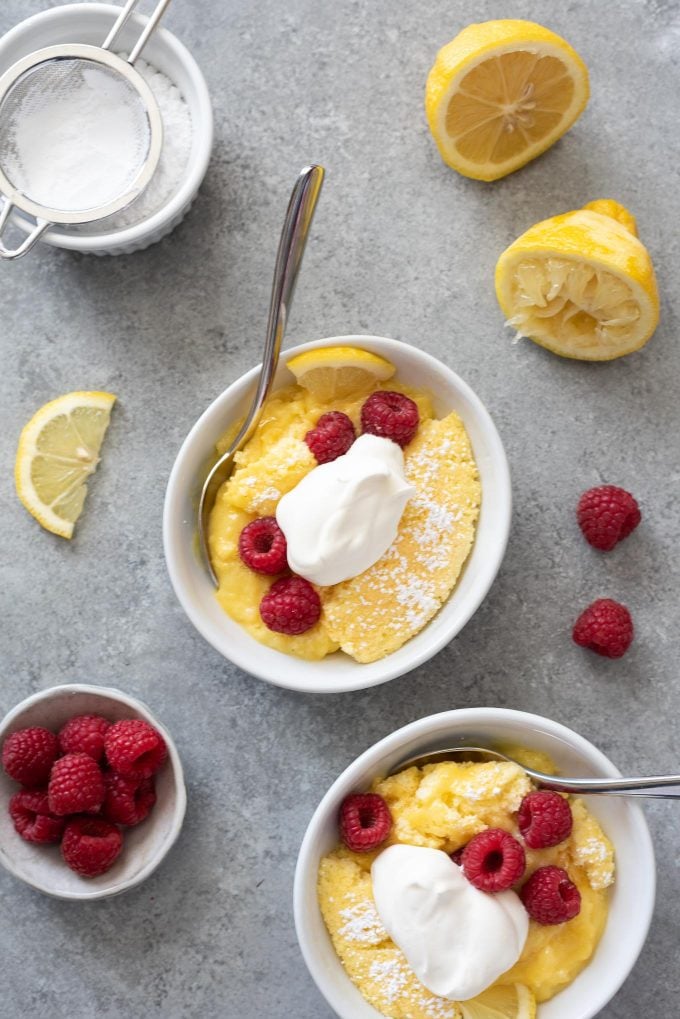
296	226
659	787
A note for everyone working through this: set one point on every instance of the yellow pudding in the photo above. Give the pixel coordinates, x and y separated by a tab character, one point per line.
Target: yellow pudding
442	806
405	588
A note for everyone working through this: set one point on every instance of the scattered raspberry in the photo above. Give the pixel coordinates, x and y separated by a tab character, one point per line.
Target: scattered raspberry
607	515
457	856
134	749
365	822
128	801
544	819
605	627
84	734
331	437
549	896
262	546
390	415
76	785
28	755
90	846
291	605
32	818
493	860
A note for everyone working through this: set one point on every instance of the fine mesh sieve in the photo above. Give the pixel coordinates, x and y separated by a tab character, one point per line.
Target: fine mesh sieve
45	98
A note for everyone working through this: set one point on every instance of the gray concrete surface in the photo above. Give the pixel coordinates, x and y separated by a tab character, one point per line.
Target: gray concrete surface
402	247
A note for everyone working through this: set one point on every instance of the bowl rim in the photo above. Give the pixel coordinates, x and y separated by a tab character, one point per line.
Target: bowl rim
203	127
382	671
370	758
178	775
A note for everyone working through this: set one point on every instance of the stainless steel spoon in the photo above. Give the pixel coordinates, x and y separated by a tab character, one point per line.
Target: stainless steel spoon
296	226
659	787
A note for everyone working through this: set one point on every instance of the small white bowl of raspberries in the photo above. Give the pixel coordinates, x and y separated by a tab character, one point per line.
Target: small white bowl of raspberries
92	793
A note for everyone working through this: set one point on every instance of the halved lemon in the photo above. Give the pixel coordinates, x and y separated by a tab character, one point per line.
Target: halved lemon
58	451
581	284
500	94
512	1002
332	373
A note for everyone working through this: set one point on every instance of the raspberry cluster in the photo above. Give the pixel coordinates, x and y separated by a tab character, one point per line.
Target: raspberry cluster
80	785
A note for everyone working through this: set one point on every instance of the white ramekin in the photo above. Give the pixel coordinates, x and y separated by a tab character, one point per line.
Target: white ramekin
144	847
337	673
632	898
90	23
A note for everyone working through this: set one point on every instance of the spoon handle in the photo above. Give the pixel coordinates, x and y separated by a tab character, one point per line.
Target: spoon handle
666	787
296	226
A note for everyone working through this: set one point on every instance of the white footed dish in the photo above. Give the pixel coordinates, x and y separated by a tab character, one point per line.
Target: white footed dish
338	673
632	896
145	846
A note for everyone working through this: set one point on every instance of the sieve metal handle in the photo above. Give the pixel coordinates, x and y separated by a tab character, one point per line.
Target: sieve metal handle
149	28
10	254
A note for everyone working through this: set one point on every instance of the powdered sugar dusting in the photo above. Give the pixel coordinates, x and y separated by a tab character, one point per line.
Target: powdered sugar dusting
362	924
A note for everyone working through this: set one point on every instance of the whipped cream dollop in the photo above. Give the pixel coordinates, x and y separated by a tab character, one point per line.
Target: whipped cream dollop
343	515
457	940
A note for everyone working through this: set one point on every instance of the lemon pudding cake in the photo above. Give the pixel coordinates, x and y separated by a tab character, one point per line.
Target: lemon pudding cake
357	498
459	891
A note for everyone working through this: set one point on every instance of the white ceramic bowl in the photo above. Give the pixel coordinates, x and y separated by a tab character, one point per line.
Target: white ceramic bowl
337	673
632	899
90	23
144	847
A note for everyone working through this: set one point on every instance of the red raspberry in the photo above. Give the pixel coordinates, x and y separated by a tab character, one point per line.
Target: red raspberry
605	627
493	860
607	515
262	546
30	812
291	606
128	801
457	856
134	749
544	819
84	734
76	785
390	415
331	437
365	822
549	896
28	755
90	846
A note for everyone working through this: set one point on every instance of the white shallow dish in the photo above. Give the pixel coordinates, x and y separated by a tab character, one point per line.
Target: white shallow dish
90	23
337	673
632	898
144	846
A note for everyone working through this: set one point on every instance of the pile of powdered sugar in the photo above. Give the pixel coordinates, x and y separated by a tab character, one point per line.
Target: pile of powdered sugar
177	142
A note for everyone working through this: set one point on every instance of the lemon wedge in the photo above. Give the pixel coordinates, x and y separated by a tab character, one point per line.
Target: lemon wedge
513	1002
500	94
332	373
58	450
581	284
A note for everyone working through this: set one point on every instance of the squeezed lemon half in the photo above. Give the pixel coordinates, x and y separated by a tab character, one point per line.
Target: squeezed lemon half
512	1002
581	284
58	451
500	94
332	373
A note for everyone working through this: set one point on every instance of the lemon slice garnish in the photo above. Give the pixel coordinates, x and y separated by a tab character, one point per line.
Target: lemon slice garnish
513	1002
58	450
332	373
581	284
500	94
